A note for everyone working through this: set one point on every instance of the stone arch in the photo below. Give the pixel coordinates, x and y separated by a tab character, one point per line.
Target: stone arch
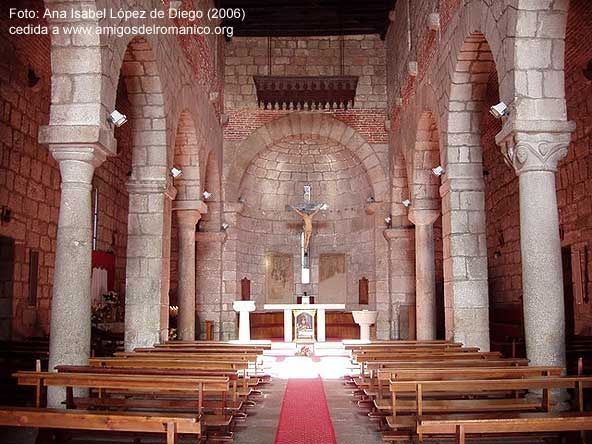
212	183
463	201
306	124
426	155
187	158
150	193
145	92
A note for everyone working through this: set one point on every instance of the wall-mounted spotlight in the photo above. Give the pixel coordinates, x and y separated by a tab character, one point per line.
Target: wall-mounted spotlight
324	207
225	226
176	172
406	203
117	118
241	199
438	171
499	110
371	199
388	221
206	195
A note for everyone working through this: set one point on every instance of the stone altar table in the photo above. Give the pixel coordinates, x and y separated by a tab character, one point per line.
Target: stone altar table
289	308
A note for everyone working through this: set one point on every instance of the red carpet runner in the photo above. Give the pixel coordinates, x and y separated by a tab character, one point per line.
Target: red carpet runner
305	418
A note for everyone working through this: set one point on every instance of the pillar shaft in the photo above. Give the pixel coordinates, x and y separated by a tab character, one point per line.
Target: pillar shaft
186	221
542	276
147	268
70	327
425	273
425	282
401	281
534	156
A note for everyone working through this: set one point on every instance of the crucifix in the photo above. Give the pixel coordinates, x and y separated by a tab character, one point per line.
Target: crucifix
307	210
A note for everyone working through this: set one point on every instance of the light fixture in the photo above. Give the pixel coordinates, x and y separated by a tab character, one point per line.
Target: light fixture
117	118
370	199
388	220
206	195
499	110
406	203
176	172
225	226
241	199
324	206
438	171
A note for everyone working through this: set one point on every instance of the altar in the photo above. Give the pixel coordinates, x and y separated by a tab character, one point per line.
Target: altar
291	311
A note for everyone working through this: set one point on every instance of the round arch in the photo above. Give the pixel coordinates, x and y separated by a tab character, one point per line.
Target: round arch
313	125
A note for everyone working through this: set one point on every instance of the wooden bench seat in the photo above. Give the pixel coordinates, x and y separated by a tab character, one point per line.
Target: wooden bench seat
144	422
478	392
511	423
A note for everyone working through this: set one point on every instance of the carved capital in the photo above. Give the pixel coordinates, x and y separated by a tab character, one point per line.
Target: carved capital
538	147
534	155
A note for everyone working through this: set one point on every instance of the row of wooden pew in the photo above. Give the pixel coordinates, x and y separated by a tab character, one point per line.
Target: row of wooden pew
440	390
196	388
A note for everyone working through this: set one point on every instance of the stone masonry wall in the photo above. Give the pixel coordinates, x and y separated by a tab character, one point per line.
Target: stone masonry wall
29	177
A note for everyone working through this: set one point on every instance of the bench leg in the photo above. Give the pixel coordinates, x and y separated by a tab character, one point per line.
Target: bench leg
460	434
171	430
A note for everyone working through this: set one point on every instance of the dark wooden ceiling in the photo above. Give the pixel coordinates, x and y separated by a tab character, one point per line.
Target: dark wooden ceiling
305	18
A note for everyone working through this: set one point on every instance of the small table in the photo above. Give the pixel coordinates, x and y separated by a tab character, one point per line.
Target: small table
320	311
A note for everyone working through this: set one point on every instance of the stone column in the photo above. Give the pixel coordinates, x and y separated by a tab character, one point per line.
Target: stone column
70	329
209	278
186	222
534	156
401	285
147	268
425	273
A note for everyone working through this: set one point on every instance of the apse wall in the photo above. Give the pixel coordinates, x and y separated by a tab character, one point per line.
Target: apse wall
275	180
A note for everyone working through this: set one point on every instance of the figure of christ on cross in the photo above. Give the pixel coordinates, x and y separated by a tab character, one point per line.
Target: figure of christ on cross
306	225
307	211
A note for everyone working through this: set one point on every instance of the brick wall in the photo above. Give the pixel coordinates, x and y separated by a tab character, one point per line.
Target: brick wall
364	56
574	187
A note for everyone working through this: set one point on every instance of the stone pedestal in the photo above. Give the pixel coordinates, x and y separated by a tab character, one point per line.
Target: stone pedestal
69	342
534	156
425	273
365	319
186	222
244	308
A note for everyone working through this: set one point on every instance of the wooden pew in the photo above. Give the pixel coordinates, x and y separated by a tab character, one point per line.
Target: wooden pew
508	424
474	395
132	390
144	422
382	402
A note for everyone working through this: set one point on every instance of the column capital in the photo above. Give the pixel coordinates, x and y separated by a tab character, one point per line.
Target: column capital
188	218
402	232
78	135
93	154
423	216
163	186
538	147
184	205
